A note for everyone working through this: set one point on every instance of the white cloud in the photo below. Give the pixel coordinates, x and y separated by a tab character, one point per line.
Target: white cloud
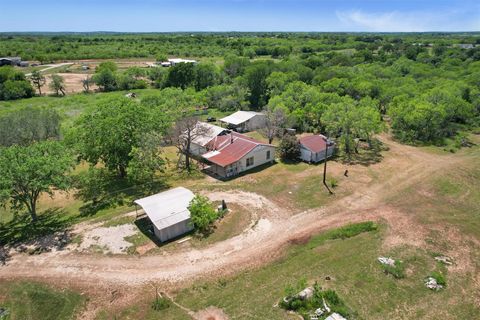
396	21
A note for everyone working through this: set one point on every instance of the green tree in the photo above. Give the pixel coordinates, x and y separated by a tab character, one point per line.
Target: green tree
29	171
202	214
182	75
234	66
206	75
105	79
13	84
146	159
108	132
38	80
255	78
289	148
58	84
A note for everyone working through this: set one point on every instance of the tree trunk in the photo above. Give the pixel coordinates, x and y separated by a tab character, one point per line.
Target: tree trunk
33	211
122	172
40	90
270	139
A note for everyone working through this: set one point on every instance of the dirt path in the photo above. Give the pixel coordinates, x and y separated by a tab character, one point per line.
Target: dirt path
259	245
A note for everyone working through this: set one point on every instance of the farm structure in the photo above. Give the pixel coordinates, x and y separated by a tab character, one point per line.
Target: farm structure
312	148
10	61
244	121
168	212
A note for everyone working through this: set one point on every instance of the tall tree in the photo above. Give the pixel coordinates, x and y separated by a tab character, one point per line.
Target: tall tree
109	132
29	171
255	77
182	134
58	84
182	75
275	119
38	80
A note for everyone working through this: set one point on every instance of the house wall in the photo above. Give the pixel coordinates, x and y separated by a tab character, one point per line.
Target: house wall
257	122
173	231
259	155
308	156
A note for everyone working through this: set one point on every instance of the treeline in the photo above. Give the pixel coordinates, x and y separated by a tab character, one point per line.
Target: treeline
47	48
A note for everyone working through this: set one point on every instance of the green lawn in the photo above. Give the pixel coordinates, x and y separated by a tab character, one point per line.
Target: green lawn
33	301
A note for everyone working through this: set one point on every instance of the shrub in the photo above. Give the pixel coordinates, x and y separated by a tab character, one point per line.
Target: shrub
289	148
202	213
160	303
439	277
333	182
352	230
397	270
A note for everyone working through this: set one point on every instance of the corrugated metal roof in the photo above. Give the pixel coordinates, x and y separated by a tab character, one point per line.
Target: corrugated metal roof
314	143
240	117
167	208
213	131
230	148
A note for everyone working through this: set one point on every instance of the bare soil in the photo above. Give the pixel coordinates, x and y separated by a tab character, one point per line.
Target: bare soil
275	228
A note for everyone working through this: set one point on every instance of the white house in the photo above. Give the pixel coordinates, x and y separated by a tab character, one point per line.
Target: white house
243	121
233	153
168	212
312	148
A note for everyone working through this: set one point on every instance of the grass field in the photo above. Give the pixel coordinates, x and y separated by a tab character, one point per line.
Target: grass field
34	301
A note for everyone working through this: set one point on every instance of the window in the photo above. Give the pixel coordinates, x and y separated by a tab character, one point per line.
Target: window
249	161
268	155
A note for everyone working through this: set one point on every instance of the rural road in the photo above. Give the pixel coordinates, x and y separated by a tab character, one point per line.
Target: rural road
52	66
261	244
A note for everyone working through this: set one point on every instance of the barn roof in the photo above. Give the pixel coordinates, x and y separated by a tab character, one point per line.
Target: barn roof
230	148
240	117
314	143
167	208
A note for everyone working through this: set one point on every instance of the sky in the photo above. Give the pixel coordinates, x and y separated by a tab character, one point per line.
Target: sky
240	15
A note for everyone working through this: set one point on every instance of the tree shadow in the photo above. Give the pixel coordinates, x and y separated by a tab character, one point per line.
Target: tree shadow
21	230
366	155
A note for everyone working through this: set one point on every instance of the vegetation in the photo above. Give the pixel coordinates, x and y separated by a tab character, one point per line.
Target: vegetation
33	301
14	85
203	214
289	149
29	171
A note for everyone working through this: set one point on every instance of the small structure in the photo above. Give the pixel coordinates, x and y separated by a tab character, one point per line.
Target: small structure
168	212
335	316
243	121
176	61
312	148
10	61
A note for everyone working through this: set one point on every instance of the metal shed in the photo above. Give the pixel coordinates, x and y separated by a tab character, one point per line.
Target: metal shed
168	212
242	121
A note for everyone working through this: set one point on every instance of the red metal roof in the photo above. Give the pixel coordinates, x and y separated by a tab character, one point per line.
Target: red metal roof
231	148
314	143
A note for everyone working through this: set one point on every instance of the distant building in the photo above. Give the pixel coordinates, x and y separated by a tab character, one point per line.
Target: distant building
466	46
312	148
10	61
168	212
176	61
243	121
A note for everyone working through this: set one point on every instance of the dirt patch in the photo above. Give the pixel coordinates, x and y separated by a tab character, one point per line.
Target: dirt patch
304	239
111	239
210	313
73	83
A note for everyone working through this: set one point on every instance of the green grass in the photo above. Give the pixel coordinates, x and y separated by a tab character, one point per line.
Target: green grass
33	301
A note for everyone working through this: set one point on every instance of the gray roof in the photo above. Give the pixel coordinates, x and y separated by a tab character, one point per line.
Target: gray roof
167	208
240	117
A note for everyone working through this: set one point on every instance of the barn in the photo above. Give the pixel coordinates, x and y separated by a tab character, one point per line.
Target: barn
312	148
244	121
168	212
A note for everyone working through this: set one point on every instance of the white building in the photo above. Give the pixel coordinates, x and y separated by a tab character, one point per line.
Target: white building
168	212
312	148
243	121
199	143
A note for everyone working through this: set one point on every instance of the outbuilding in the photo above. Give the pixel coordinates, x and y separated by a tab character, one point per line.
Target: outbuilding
243	121
168	212
312	148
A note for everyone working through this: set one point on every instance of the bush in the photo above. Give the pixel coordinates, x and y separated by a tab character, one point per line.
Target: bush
397	270
289	148
439	277
352	230
202	213
160	303
333	182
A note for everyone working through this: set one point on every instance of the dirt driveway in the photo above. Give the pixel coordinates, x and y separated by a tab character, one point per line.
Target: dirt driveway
257	246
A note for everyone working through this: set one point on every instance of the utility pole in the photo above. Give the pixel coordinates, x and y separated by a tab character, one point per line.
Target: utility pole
325	167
